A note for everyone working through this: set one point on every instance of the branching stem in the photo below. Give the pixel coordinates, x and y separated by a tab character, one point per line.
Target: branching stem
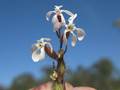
59	82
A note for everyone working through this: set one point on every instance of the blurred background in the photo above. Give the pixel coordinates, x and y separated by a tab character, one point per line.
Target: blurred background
93	62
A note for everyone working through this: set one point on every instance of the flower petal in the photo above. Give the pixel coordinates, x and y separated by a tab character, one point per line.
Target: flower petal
38	55
74	39
63	20
45	39
81	34
56	24
67	12
58	7
72	18
34	47
49	14
65	36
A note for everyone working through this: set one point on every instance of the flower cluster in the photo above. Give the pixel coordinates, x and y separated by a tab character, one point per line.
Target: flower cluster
59	22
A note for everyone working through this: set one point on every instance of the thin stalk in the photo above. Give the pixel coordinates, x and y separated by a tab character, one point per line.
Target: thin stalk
66	47
57	33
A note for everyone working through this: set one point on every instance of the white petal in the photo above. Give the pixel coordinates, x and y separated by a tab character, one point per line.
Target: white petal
67	12
64	36
81	34
45	39
38	55
56	25
58	7
49	14
63	20
34	47
72	18
74	39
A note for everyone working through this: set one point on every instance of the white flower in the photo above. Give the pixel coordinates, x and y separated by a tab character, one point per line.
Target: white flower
58	19
71	28
38	49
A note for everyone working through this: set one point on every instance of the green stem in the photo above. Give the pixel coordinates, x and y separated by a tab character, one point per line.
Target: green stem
61	70
59	83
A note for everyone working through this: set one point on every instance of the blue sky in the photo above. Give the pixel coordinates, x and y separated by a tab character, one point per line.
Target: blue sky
22	22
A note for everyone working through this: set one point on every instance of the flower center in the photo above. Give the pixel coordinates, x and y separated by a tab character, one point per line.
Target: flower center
70	27
58	12
40	45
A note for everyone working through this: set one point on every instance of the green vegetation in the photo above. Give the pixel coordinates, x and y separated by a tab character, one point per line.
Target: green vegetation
102	75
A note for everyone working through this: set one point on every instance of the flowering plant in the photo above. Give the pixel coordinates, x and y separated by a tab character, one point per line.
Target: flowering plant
44	45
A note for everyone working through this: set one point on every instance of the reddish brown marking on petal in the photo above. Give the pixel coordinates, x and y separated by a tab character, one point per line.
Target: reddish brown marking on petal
59	18
80	33
33	49
74	40
67	36
51	54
